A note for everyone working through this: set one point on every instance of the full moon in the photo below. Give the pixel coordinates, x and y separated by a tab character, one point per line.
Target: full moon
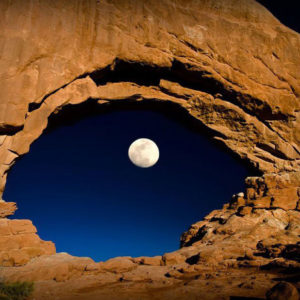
143	153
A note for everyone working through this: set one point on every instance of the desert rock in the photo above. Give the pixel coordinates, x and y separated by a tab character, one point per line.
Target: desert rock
19	243
247	98
7	209
226	64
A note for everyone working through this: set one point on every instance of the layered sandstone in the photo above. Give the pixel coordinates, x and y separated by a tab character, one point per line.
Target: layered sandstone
238	251
19	242
242	249
7	209
230	64
225	63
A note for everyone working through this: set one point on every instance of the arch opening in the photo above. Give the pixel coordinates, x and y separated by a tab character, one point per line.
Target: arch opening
77	202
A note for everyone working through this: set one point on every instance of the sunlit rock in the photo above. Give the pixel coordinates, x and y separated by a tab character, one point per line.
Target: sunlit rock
235	68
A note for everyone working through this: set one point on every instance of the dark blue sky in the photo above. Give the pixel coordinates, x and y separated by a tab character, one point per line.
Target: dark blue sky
82	192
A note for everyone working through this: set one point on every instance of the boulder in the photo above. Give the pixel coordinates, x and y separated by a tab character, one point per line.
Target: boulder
118	265
173	258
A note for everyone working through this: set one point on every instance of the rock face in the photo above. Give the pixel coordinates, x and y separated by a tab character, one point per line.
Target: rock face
283	291
19	242
226	63
7	209
229	237
266	210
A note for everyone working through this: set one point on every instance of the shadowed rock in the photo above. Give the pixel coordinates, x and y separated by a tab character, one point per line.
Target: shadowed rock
283	291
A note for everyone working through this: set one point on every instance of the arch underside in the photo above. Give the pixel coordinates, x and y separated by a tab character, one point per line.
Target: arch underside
205	58
227	122
224	64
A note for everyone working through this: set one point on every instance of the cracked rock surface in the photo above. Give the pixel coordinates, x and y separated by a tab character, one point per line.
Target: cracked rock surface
231	65
226	64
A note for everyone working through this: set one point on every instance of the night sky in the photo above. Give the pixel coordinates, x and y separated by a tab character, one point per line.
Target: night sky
80	189
82	192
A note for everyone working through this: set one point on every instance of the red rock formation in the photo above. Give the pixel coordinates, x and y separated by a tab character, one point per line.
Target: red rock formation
19	242
226	63
7	209
252	229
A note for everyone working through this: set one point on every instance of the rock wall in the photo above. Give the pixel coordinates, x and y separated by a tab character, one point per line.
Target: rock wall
225	62
258	224
19	242
230	64
238	251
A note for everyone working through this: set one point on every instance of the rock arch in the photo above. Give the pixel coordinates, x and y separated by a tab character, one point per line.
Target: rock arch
240	132
248	97
224	62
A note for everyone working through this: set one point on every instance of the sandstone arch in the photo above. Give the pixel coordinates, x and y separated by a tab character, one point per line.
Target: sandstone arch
230	64
249	96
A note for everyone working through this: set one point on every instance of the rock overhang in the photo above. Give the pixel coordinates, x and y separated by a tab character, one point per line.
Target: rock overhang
227	65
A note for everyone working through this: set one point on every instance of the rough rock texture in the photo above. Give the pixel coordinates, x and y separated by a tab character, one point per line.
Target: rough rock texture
229	64
7	209
241	250
225	62
227	237
19	242
269	208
